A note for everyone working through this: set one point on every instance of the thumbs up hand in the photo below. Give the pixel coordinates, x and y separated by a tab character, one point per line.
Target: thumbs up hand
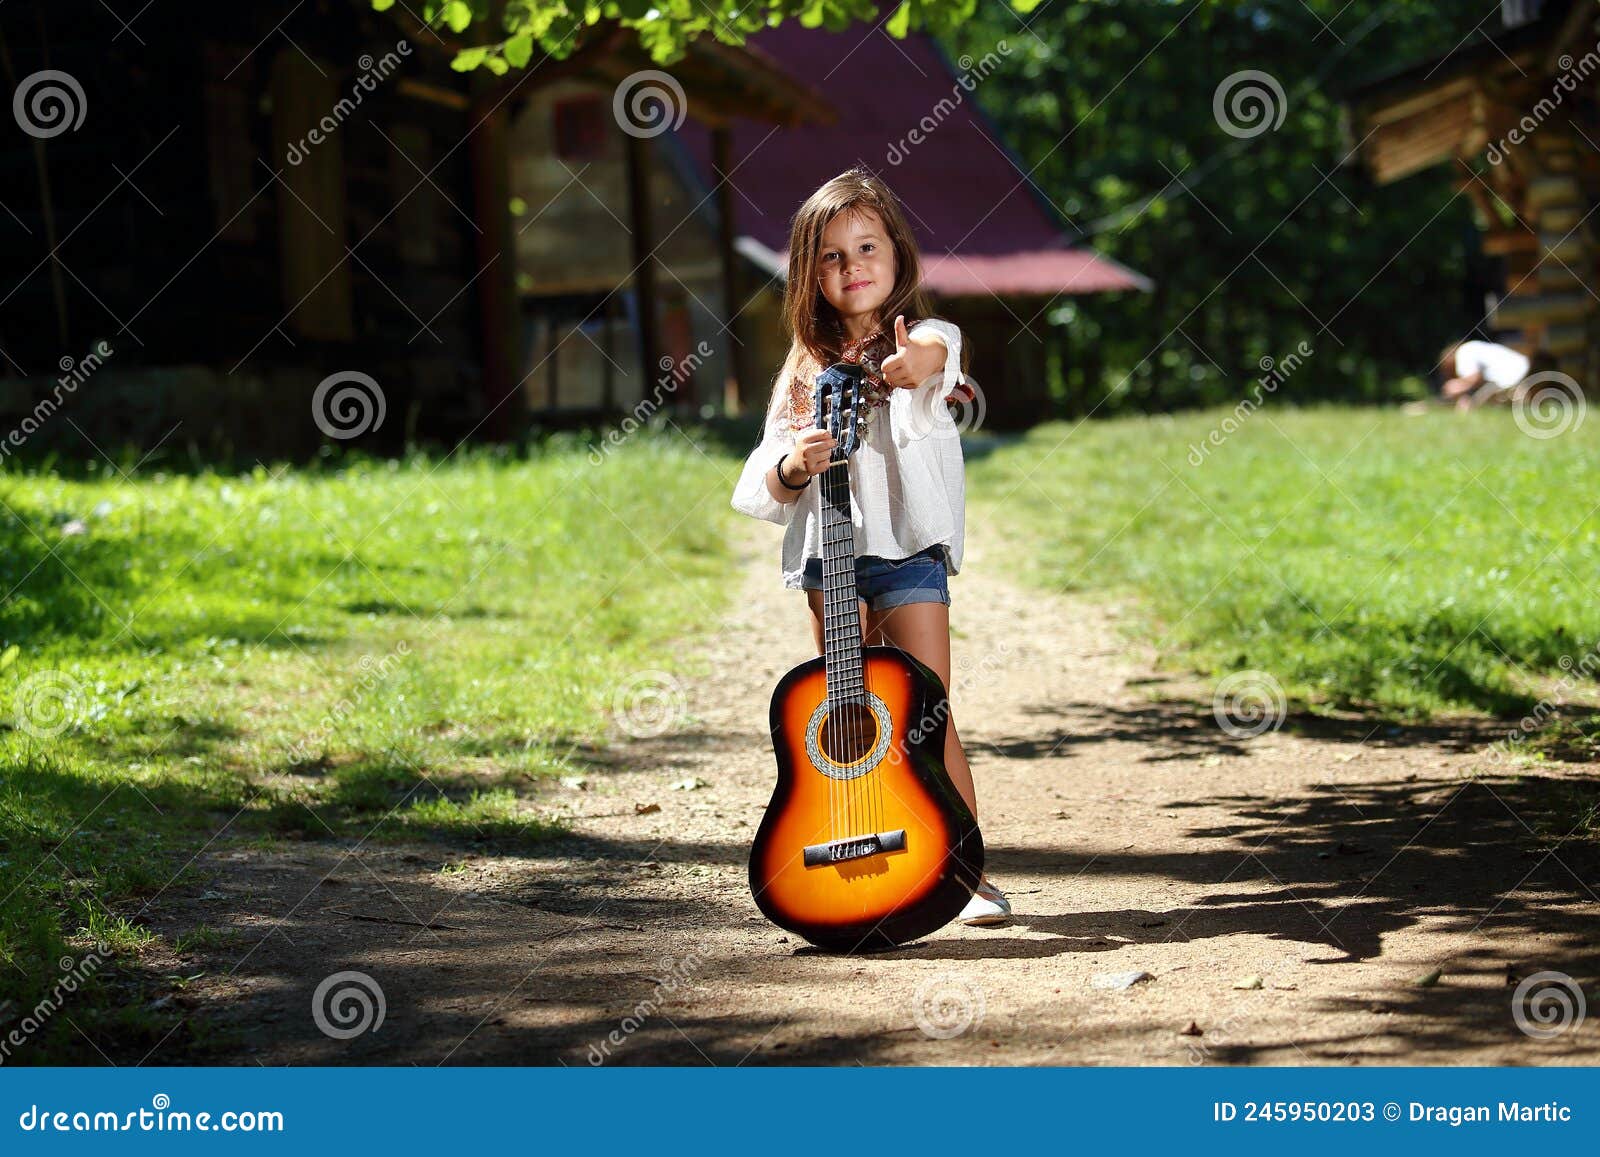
914	360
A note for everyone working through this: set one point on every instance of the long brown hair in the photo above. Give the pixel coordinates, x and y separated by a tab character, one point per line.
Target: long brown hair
815	327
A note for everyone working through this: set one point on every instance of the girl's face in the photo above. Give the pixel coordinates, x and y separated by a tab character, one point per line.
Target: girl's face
856	265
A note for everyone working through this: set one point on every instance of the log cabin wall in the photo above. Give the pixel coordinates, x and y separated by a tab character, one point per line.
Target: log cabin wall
219	269
1521	130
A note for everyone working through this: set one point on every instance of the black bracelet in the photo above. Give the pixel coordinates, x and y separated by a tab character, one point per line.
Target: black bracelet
782	481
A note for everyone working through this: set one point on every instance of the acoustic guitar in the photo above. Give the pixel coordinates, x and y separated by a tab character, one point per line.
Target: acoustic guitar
866	843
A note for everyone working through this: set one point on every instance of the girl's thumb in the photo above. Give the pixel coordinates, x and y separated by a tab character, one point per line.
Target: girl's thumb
901	338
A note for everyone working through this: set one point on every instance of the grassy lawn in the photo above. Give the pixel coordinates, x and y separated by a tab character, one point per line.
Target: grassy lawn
371	650
406	651
1364	558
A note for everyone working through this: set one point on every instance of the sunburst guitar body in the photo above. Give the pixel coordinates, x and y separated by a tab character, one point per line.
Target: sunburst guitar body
866	844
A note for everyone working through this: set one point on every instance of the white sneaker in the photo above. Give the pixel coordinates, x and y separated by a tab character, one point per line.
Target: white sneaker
987	906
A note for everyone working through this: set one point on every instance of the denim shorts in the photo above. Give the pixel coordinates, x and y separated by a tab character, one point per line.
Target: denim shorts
893	582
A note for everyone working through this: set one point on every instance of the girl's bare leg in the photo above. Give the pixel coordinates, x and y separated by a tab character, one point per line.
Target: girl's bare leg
814	601
923	631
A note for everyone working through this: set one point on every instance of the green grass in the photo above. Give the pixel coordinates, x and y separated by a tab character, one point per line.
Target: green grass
1366	559
389	650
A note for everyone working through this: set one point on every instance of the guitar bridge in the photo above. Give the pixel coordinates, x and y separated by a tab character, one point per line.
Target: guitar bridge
854	848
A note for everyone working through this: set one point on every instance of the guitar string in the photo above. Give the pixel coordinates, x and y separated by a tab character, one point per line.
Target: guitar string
861	807
846	734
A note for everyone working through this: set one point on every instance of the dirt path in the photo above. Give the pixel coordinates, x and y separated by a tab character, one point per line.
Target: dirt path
1335	861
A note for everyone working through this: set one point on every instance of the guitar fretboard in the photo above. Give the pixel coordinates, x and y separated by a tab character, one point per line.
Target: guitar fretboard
841	618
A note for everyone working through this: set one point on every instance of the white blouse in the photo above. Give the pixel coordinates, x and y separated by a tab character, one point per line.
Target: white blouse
907	477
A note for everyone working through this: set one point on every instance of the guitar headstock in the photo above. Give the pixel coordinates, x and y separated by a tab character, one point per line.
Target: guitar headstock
841	406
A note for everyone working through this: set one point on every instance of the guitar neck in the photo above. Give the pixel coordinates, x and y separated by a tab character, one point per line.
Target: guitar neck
841	618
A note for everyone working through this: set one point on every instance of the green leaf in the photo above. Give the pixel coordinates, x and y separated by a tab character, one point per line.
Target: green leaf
900	23
9	656
382	5
496	65
458	15
468	59
519	50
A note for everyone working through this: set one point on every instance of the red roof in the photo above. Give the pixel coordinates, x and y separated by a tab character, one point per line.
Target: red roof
980	222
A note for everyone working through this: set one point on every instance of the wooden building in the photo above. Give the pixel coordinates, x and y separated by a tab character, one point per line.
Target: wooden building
609	214
997	254
247	199
1516	115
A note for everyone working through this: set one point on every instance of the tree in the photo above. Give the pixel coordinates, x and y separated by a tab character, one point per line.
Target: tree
506	34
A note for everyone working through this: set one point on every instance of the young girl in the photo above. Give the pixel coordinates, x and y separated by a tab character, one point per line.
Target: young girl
855	295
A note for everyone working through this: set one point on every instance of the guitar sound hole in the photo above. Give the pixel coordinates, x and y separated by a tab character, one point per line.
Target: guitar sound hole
849	733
